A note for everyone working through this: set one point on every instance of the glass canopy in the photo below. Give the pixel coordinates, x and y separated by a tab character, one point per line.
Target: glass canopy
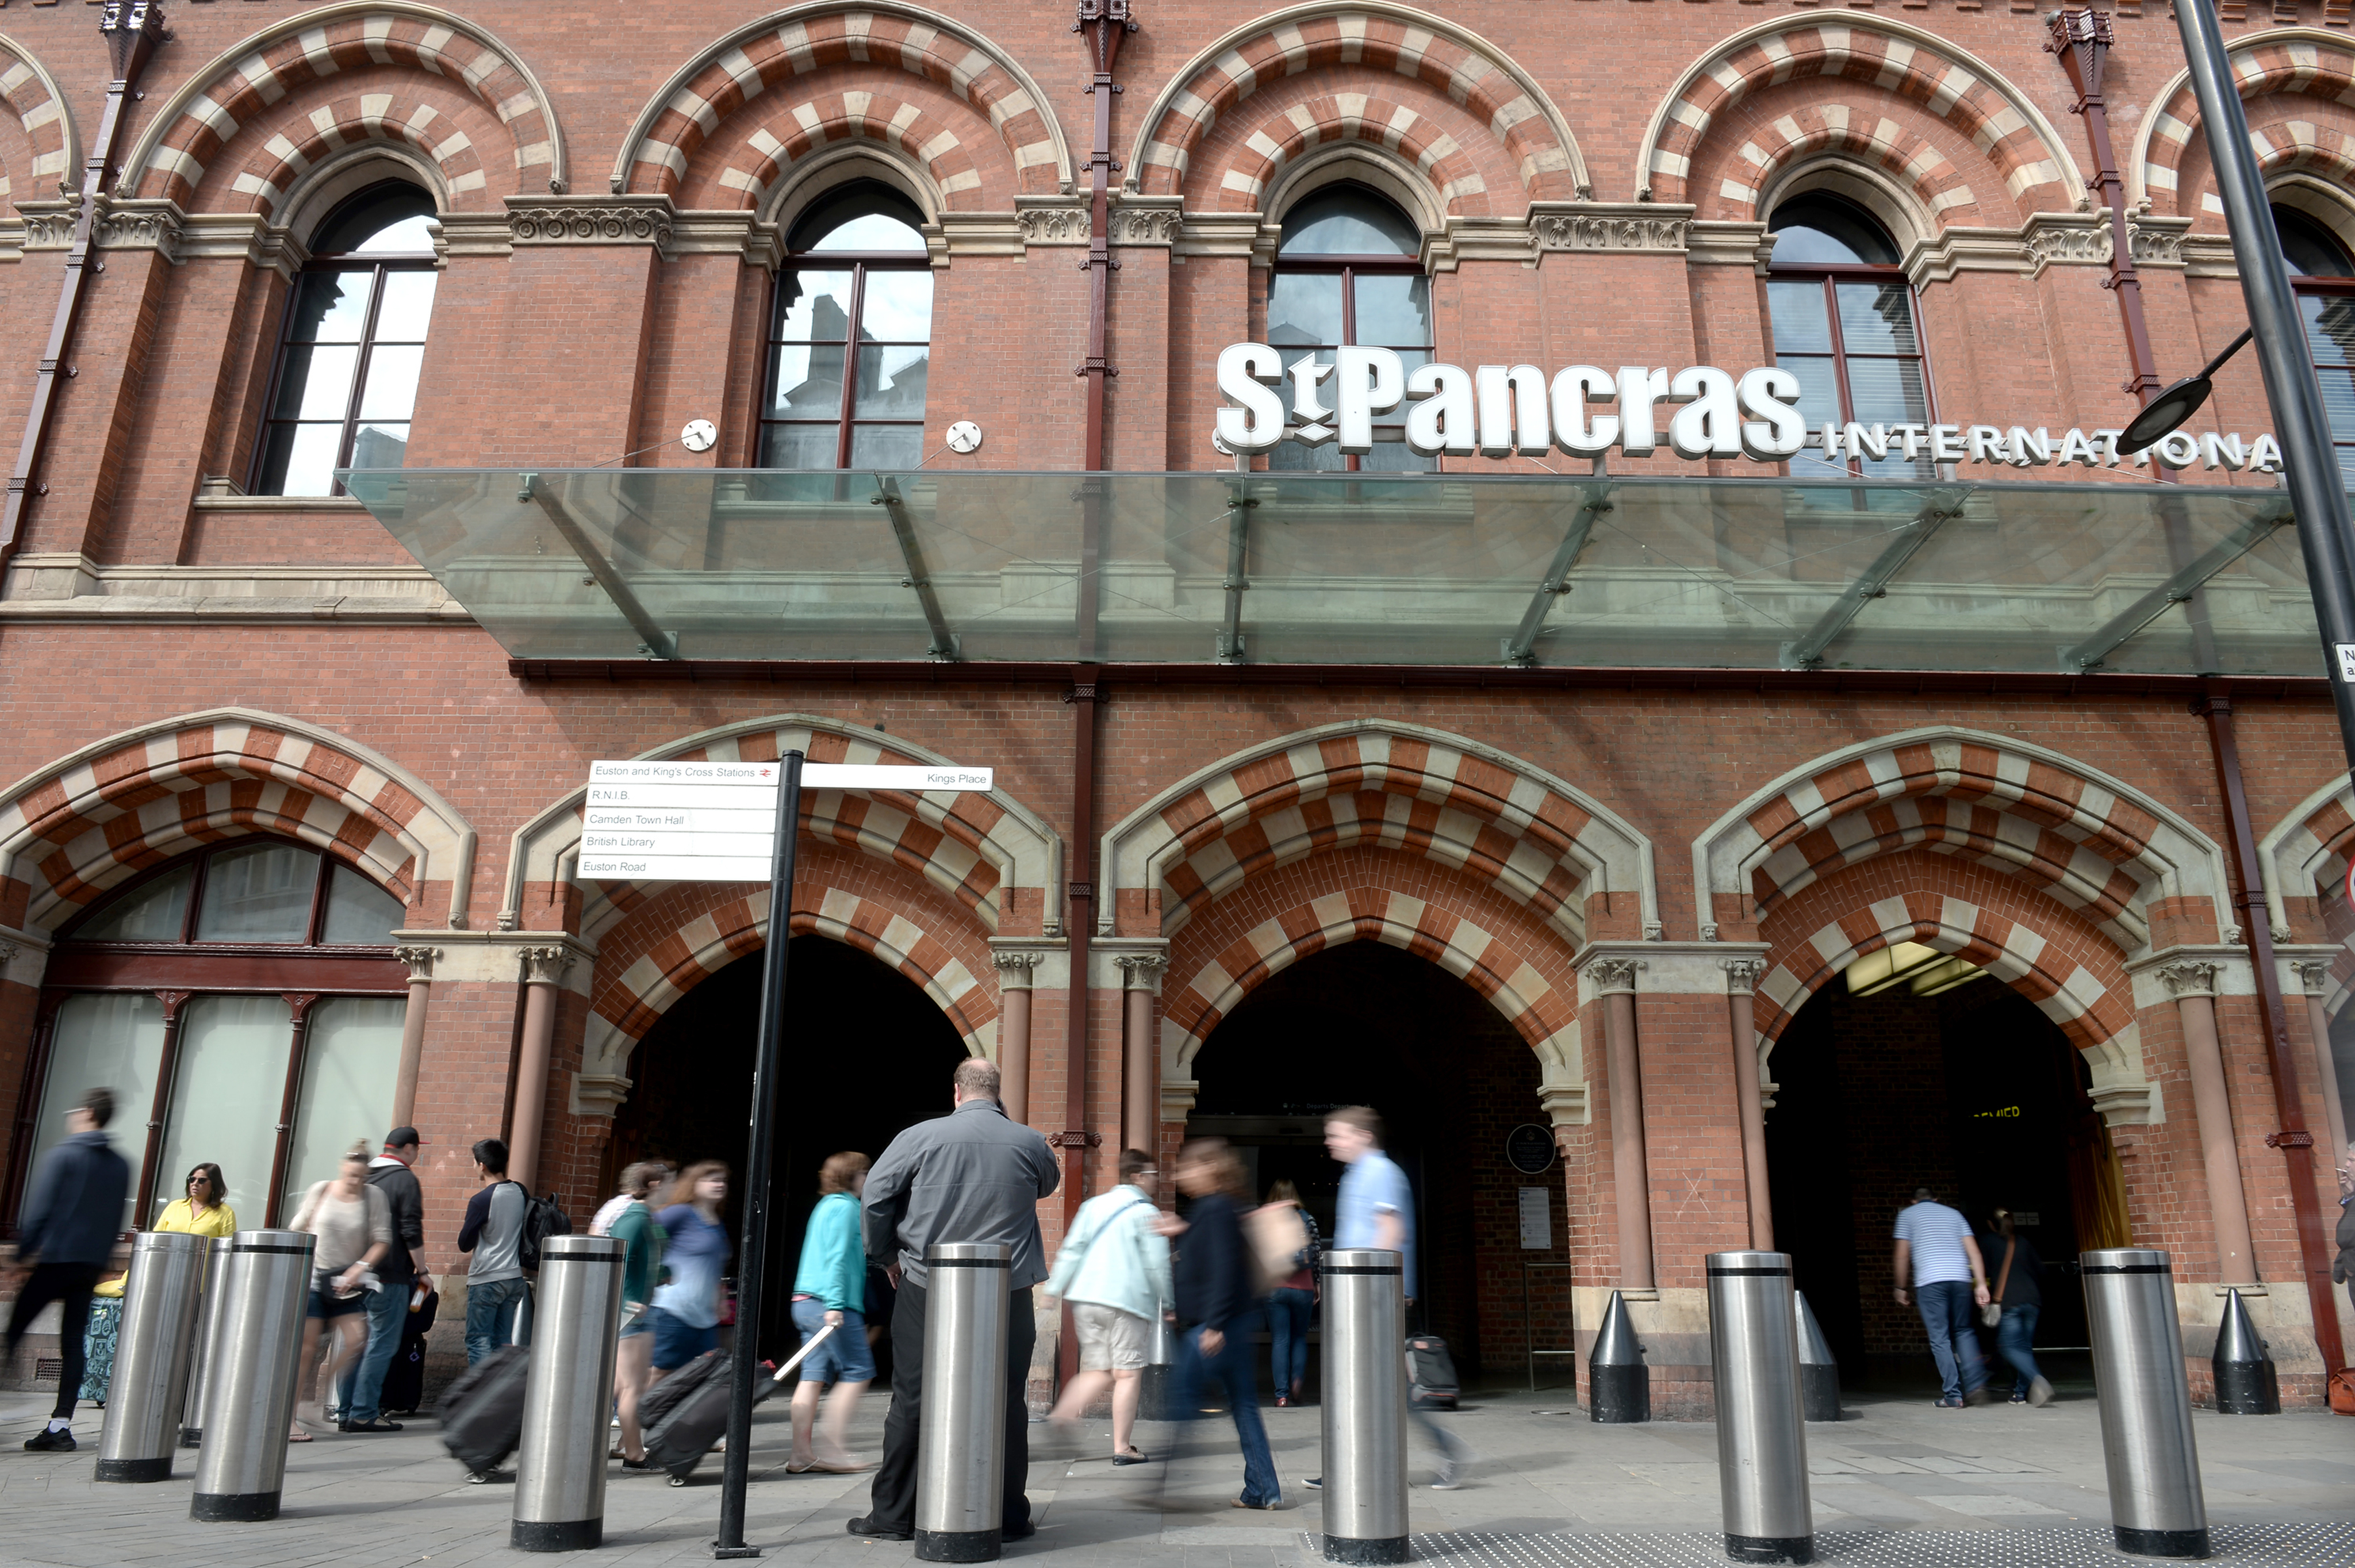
1298	569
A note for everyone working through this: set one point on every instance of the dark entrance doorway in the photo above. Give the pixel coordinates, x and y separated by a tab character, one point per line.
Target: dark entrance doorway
866	1054
1368	1024
1968	1090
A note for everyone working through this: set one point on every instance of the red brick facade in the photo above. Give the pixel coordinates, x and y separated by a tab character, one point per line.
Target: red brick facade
186	662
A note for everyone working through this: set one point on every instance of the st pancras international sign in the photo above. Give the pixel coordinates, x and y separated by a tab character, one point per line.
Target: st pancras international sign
1500	410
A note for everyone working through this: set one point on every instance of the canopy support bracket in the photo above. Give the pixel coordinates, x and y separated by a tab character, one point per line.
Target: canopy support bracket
1520	647
2179	589
1807	652
1230	624
944	644
653	641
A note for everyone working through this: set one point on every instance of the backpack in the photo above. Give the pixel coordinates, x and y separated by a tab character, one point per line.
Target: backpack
543	1217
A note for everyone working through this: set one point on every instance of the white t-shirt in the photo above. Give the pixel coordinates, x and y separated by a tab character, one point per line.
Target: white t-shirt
1936	1232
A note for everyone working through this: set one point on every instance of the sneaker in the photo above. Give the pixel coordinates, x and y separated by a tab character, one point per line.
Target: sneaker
378	1424
2039	1393
1022	1531
48	1440
1949	1402
2017	1398
1314	1483
874	1532
639	1466
1451	1477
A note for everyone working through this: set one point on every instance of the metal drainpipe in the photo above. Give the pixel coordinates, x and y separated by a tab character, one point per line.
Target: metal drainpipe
131	31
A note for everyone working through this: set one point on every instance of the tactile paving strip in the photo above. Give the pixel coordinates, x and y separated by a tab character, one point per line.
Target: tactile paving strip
2308	1545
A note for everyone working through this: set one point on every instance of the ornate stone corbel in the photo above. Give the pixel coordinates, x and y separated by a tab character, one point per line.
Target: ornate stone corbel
1051	221
2190	977
590	221
1146	221
1610	226
599	1094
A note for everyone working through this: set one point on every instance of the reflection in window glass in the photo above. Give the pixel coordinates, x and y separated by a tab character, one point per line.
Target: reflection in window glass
835	397
350	1058
228	1085
258	894
359	913
156	912
1843	324
111	1042
2314	255
1348	273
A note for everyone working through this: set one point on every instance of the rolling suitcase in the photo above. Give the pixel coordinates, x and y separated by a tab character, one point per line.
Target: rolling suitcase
482	1412
687	1410
1432	1373
404	1381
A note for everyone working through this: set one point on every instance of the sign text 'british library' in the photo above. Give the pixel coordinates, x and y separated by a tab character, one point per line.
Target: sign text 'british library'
1701	412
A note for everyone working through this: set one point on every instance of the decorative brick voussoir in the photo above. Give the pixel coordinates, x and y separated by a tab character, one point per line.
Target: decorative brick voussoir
2279	64
33	96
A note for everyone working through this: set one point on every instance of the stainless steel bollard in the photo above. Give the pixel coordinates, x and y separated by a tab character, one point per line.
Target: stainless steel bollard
265	1287
1157	1395
560	1491
2157	1509
1818	1368
201	1358
151	1358
960	1452
1762	1440
1365	1407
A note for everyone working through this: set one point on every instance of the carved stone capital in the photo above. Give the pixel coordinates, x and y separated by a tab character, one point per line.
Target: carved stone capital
589	219
2190	977
1143	971
49	225
1610	975
1146	221
2314	976
1610	226
420	960
1015	966
8	950
1051	219
2066	239
544	965
2158	241
1742	975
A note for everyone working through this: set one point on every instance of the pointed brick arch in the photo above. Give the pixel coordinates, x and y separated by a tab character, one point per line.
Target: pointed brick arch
1534	837
2086	840
354	51
2025	154
851	48
2286	63
1448	73
88	822
39	107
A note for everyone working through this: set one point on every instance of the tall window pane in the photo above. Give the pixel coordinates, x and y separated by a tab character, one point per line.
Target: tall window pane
1349	273
350	1062
359	913
850	342
2324	276
353	346
227	1087
260	894
156	912
111	1042
1844	324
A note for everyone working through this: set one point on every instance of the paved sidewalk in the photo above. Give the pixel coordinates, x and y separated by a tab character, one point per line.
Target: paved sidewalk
2001	1485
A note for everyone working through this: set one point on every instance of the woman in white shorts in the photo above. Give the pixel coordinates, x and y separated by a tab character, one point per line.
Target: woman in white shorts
1113	1269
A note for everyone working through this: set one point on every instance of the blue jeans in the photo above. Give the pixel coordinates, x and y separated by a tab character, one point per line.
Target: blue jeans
492	1312
1288	1312
363	1383
1232	1368
1946	1306
2013	1337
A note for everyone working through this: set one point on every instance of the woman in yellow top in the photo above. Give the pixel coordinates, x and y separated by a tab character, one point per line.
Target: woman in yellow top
201	1212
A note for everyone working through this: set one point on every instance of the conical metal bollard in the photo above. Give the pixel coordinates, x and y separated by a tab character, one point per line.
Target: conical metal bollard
1619	1386
2247	1381
1818	1371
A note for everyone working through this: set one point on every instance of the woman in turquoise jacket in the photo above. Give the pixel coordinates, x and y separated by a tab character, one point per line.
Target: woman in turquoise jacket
830	1287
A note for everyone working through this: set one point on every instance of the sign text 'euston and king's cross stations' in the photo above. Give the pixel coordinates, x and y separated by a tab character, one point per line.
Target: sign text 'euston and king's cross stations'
716	822
1701	412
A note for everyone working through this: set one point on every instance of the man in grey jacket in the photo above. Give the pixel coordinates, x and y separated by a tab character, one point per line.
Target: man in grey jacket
66	1234
970	1175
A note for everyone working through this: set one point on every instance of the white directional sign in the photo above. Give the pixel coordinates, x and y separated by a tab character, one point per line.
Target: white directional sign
716	822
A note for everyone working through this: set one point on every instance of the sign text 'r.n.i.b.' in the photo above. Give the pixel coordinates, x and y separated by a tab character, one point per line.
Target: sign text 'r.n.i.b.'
716	822
1701	412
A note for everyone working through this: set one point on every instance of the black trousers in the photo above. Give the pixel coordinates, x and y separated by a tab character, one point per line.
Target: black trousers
895	1479
69	1285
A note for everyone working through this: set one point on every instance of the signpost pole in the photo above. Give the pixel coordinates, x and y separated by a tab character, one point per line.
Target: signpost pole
752	1247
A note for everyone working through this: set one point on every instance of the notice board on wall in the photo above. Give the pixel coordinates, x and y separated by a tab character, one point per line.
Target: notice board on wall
1537	1218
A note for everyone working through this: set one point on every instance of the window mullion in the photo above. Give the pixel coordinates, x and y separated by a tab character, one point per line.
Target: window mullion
1840	363
850	361
360	367
298	1003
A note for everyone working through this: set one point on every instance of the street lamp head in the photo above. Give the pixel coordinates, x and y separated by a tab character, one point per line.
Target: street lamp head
2164	413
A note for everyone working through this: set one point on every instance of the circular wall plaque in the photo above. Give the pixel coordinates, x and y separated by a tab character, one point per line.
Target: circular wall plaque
1530	1148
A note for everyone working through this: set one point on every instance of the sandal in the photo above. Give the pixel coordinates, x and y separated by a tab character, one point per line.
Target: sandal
792	1466
299	1435
1134	1456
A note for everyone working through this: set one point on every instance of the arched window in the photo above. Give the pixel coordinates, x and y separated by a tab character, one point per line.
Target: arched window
244	1005
2325	279
1844	324
1348	271
355	338
838	398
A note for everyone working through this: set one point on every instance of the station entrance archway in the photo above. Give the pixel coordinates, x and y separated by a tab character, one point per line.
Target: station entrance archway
866	1054
1368	1024
1968	1090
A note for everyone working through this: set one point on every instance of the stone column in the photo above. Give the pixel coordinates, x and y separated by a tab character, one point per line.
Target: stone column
2315	976
1742	978
1014	970
1613	982
543	968
1140	1073
412	1029
2193	983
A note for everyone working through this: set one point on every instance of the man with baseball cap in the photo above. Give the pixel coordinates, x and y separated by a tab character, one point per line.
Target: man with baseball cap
399	1269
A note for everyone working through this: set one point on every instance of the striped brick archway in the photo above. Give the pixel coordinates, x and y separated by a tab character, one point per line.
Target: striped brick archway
875	41
2088	841
366	44
1530	836
1455	72
42	112
90	821
1911	64
760	145
2282	62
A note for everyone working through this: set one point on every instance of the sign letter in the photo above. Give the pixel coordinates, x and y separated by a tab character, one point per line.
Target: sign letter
1710	424
1253	421
1572	390
1366	382
1440	420
1638	390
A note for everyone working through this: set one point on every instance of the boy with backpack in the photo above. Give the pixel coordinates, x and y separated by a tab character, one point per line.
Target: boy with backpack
496	1291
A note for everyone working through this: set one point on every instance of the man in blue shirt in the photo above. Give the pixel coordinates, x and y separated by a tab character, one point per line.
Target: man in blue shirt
1377	1209
64	1235
1937	1252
